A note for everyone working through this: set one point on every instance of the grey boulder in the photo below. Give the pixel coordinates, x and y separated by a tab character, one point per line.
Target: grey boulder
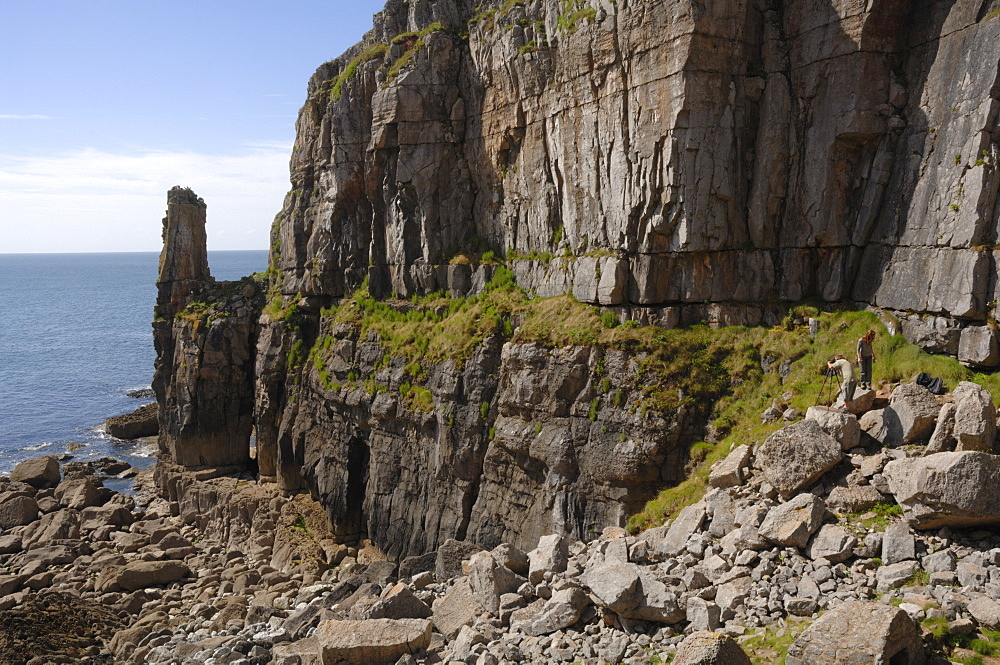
957	489
707	648
792	523
796	456
859	632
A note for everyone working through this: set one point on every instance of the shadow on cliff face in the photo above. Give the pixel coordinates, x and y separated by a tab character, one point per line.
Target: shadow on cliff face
844	75
920	254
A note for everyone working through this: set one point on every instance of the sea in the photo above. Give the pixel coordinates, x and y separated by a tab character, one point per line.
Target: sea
75	338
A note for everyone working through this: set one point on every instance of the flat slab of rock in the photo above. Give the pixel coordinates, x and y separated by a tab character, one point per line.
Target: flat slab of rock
141	422
796	456
957	489
705	648
853	499
687	522
371	642
859	632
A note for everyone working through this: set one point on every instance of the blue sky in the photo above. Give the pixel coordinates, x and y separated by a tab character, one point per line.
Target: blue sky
106	105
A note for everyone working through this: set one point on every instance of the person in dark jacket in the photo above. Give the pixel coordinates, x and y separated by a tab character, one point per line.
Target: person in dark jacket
866	356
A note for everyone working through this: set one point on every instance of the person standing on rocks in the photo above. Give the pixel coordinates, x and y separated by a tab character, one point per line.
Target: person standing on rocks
845	370
866	356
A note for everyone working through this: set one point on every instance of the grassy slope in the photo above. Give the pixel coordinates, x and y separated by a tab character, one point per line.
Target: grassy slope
737	416
716	372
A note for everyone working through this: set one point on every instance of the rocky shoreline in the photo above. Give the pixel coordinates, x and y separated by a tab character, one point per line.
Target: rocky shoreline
210	566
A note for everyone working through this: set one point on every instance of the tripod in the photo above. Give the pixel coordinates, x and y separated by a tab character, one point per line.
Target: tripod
824	391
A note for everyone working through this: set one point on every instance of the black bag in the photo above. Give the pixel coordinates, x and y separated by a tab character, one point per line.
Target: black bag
934	384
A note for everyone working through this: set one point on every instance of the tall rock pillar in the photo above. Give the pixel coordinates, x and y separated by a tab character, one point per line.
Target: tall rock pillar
184	258
205	333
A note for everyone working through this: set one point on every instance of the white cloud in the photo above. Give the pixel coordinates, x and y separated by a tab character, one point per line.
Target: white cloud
92	200
30	116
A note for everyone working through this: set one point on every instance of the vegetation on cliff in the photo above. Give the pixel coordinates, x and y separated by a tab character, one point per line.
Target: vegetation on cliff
737	414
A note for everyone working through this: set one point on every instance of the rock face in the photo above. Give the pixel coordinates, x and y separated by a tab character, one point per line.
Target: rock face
947	489
745	144
674	162
517	441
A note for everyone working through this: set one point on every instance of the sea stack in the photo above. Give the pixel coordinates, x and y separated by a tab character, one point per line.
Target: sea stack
204	332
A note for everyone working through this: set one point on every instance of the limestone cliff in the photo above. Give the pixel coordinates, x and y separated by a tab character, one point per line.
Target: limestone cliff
674	162
655	156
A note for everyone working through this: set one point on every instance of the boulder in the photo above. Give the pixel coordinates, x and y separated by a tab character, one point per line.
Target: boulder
398	602
939	562
448	562
859	632
910	416
688	521
512	558
455	609
975	417
792	523
979	346
943	438
841	426
551	556
40	472
18	511
731	595
895	575
853	499
562	610
78	493
489	580
796	456
633	592
61	525
703	614
9	544
141	422
707	648
898	544
372	641
957	489
863	401
729	471
141	575
414	565
800	607
97	516
986	612
833	543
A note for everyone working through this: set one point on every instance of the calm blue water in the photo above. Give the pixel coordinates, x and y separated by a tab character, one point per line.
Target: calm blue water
75	336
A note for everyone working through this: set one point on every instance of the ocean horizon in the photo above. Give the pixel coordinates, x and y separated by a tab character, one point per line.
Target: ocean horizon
75	339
